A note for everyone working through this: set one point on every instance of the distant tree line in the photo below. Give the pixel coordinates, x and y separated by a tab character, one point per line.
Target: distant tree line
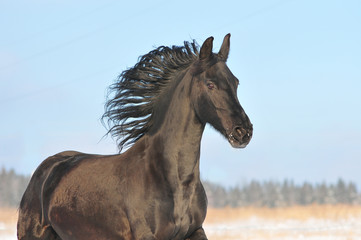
12	187
254	193
277	194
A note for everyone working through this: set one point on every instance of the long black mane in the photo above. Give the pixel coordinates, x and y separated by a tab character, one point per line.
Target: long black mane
131	99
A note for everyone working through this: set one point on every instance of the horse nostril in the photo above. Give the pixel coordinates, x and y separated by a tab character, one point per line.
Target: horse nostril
238	131
242	134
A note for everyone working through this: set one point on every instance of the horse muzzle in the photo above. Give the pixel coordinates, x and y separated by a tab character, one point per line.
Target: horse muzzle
239	137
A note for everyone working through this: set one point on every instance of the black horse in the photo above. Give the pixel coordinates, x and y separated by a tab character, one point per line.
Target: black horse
153	189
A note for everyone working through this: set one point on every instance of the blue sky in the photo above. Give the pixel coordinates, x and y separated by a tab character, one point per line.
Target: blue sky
298	62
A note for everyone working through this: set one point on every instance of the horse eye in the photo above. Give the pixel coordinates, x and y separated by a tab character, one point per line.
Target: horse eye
210	85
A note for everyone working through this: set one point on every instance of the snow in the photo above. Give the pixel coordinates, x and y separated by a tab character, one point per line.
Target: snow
7	232
290	229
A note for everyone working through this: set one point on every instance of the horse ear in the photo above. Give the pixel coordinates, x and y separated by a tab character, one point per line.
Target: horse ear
223	52
206	49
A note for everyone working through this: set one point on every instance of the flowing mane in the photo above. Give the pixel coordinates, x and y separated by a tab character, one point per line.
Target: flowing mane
131	99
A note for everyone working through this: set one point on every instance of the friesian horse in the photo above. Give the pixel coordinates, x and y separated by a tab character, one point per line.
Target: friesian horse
153	189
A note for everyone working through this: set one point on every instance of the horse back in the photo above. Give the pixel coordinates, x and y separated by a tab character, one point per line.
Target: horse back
76	196
31	217
32	194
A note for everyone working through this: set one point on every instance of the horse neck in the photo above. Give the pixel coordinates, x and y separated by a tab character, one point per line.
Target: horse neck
180	135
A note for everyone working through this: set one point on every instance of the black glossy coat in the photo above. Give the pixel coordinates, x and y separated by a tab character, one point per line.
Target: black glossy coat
153	190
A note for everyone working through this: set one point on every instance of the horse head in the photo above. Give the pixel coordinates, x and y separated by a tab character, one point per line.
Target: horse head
214	94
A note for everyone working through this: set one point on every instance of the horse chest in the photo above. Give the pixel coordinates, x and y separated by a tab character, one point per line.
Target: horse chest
183	222
186	213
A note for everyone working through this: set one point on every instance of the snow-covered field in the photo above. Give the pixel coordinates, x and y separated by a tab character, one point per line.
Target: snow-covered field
314	222
7	231
259	224
289	229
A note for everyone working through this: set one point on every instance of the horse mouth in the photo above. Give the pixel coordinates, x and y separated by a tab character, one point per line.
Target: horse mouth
239	137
